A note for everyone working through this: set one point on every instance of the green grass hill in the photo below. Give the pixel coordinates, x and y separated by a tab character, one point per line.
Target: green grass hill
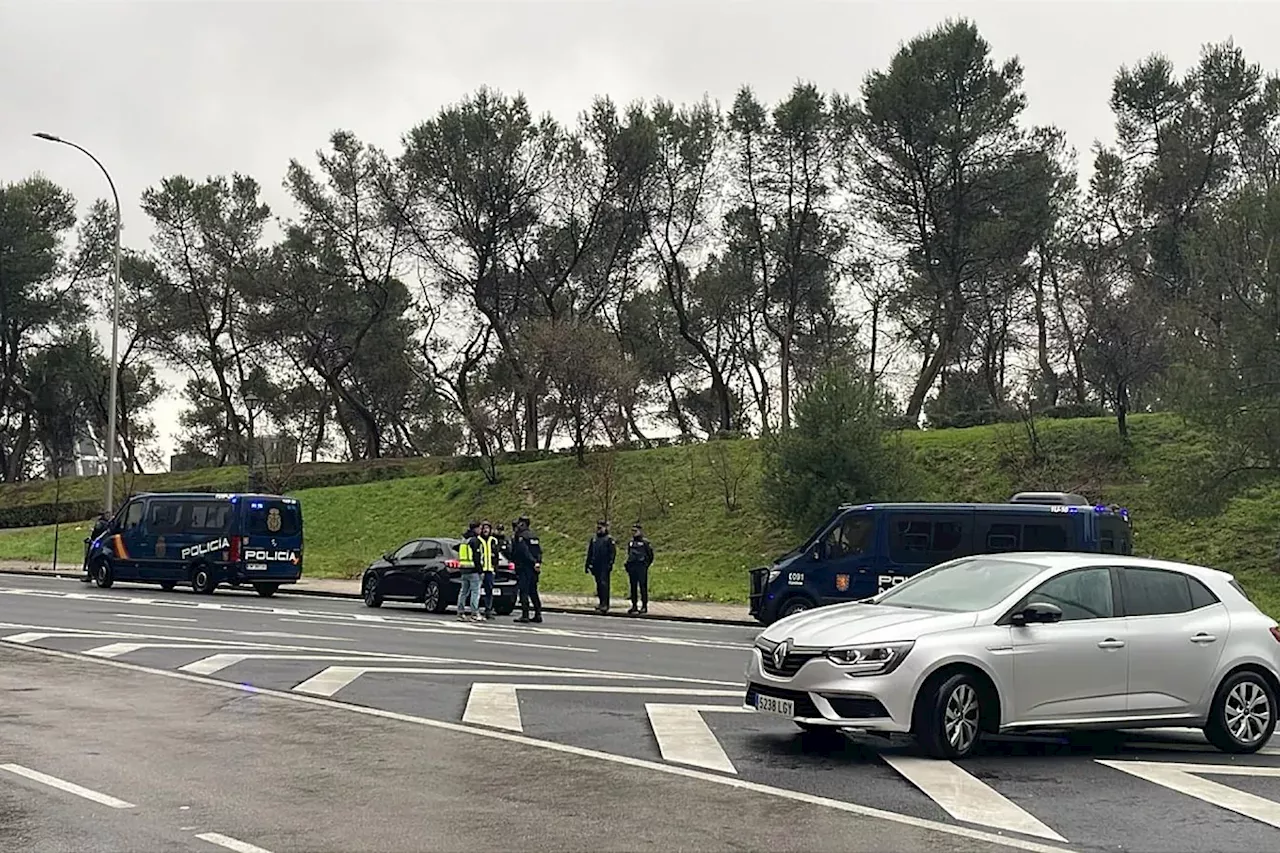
701	503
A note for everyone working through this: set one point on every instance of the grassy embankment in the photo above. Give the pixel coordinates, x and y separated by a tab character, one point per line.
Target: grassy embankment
705	541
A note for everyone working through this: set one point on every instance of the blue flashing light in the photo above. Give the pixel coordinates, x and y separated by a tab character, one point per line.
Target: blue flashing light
235	499
1099	508
869	506
1073	509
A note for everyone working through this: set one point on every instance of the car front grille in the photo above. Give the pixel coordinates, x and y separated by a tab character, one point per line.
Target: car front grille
803	704
791	664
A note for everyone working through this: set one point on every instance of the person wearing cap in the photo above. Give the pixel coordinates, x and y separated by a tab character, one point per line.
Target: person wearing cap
639	559
526	554
481	549
464	549
601	553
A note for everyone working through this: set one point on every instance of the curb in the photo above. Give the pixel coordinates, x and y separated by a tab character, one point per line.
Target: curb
352	596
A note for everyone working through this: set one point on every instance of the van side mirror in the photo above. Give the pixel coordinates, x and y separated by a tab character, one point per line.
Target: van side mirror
1036	613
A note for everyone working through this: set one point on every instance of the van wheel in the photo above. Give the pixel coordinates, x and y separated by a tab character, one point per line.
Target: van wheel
433	597
266	590
1243	715
202	580
167	586
370	593
948	717
795	604
103	576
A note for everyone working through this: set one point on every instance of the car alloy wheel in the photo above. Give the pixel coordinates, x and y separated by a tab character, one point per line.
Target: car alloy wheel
371	596
1248	711
431	598
960	719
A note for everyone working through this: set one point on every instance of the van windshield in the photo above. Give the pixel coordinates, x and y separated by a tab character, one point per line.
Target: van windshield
273	518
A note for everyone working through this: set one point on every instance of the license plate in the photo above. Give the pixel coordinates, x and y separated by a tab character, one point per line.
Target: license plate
772	705
256	567
497	591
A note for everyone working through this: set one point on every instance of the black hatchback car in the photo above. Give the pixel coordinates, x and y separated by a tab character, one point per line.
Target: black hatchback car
428	571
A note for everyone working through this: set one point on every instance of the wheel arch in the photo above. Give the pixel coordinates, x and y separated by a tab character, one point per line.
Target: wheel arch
1265	672
988	693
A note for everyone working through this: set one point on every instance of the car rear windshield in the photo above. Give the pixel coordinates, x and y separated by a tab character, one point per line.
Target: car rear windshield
962	586
273	518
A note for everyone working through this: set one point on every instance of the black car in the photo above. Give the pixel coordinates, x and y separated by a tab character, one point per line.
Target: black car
427	571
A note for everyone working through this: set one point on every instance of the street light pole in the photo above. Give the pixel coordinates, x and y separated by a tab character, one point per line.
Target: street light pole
109	500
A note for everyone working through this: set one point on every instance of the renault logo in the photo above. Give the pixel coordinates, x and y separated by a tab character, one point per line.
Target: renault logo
780	653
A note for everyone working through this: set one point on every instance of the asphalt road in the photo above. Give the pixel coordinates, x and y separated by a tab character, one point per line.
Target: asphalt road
313	724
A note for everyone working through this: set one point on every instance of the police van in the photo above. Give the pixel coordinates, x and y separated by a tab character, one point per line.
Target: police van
204	540
864	549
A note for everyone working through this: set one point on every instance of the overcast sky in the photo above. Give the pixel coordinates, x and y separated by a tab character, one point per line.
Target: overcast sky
206	87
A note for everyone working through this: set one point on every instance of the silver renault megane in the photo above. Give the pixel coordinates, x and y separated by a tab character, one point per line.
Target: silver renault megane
1018	642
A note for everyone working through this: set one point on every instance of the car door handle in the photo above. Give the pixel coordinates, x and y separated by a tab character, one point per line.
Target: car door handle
1202	638
1110	643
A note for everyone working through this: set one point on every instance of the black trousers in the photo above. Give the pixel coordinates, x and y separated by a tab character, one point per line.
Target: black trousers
486	590
639	583
527	584
602	584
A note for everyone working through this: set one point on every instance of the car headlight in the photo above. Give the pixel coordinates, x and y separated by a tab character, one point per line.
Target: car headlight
871	659
774	574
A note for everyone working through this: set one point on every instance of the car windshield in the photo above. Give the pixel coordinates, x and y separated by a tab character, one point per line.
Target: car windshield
962	586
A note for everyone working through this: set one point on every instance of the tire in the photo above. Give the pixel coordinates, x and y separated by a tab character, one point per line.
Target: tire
433	597
369	591
1243	715
202	581
795	604
948	717
167	586
103	577
266	590
505	607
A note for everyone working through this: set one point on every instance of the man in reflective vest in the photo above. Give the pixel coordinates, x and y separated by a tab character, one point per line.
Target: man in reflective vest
464	550
488	564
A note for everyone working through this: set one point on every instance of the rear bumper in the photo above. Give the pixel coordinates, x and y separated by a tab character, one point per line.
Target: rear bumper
270	574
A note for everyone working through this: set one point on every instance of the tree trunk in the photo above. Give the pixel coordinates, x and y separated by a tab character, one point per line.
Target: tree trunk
784	380
1048	375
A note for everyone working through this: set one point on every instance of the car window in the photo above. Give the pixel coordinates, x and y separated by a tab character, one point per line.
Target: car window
923	540
1153	592
1080	594
407	550
428	550
133	515
208	517
1201	595
854	535
962	586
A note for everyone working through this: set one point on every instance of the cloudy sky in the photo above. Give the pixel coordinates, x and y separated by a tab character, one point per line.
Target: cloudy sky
203	87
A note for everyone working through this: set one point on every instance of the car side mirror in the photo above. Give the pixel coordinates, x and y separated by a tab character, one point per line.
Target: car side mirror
389	557
1039	612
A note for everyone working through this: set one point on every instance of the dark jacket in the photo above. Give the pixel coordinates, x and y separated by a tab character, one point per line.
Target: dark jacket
639	554
526	551
601	552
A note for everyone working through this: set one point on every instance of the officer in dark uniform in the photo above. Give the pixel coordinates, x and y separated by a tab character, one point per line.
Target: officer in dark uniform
99	527
639	559
526	554
601	553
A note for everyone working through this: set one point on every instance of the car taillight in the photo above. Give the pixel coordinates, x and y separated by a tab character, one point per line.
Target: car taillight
1275	632
452	564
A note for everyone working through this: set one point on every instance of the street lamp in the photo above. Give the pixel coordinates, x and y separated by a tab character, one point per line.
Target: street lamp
109	501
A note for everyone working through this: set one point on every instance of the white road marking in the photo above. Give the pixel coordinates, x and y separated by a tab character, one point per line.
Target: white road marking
1186	779
496	705
149	618
684	737
230	843
217	663
965	797
578	751
114	650
333	679
68	787
536	646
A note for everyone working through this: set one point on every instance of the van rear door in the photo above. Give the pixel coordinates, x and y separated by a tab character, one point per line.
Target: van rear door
271	538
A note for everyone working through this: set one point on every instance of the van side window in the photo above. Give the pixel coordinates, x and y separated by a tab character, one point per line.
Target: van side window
1114	536
164	516
1004	537
133	515
854	535
923	540
1048	536
208	517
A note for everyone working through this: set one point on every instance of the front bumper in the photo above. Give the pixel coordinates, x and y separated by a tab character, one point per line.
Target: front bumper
824	695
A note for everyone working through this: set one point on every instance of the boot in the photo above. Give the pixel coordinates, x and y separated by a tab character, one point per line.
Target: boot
524	617
537	617
634	610
644	608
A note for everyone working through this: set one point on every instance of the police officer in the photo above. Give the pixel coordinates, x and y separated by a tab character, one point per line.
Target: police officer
639	559
99	527
601	553
526	553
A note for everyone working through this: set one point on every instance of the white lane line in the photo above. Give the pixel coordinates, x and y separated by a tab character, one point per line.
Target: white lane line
226	841
1185	778
114	650
149	618
684	737
69	787
536	646
217	663
578	751
497	705
333	679
965	797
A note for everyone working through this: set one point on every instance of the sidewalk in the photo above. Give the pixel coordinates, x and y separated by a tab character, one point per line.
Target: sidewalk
685	611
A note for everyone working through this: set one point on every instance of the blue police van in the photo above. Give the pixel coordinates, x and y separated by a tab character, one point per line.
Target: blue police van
865	549
203	540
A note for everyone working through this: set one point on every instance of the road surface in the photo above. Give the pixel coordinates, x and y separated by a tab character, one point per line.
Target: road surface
291	724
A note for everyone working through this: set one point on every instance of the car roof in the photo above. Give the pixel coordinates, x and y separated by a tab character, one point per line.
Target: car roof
1073	560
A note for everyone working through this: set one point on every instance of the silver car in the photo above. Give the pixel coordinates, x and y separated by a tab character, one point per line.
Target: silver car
1018	642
